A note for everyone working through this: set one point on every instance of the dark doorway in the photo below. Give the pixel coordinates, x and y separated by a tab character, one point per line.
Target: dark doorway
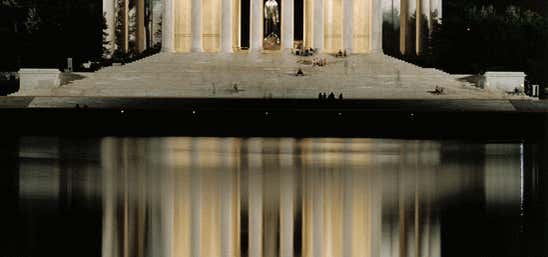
244	24
298	16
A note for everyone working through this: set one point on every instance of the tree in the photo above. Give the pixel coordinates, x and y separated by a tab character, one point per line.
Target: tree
11	15
8	3
32	21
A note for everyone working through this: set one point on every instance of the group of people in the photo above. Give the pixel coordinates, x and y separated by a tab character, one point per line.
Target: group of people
341	53
319	62
307	51
331	96
438	90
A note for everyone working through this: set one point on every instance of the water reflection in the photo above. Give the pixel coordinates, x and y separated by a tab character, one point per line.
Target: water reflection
228	197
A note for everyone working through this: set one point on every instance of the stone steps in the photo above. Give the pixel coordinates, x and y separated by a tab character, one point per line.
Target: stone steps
213	75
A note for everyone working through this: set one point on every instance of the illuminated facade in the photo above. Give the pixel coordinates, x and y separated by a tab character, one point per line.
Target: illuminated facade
216	25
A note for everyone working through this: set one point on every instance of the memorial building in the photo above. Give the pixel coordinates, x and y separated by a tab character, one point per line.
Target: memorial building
268	49
268	25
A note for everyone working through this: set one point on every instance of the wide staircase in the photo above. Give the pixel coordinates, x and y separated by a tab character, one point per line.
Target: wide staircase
269	75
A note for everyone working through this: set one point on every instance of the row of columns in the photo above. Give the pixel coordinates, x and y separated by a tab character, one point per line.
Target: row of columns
256	25
109	11
347	21
421	9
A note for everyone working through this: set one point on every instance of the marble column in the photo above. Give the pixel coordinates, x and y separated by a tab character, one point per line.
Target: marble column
196	26
255	214
110	17
408	31
404	6
125	26
288	24
140	30
168	41
418	27
308	23
376	26
236	28
256	25
348	20
318	25
226	26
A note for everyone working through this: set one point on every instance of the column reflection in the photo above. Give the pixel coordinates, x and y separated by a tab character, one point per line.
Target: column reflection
226	197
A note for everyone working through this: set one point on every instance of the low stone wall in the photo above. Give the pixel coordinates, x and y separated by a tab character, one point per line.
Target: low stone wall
504	81
38	80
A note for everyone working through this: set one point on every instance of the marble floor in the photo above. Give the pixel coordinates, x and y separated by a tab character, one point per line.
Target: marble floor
268	75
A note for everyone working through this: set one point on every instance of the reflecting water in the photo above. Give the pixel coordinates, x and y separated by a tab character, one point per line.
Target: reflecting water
230	197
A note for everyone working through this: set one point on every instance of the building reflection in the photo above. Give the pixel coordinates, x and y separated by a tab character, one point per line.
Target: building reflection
255	197
230	197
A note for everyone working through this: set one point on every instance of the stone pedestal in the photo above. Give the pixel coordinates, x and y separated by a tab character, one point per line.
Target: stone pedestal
33	81
504	81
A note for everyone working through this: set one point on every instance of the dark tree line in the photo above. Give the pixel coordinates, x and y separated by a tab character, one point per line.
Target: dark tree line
479	35
486	38
43	33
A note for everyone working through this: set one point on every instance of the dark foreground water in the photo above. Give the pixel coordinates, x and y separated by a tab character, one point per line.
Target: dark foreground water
270	197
